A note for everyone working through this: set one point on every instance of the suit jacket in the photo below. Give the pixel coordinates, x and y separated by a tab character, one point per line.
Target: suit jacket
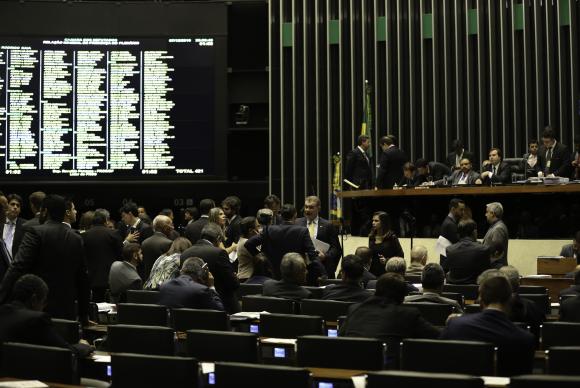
560	163
282	289
572	290
233	231
570	310
390	322
152	248
346	292
449	229
358	169
122	277
102	247
18	234
497	234
326	232
226	281
31	222
516	346
438	170
277	240
525	310
451	158
504	174
5	259
193	230
431	297
55	253
532	171
144	229
391	167
466	260
183	292
455	177
568	251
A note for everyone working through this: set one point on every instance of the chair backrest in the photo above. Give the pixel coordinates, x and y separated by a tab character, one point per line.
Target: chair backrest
468	357
142	314
140	370
35	362
249	289
141	339
342	353
435	313
533	290
542	301
186	319
70	331
208	345
330	310
229	374
415	279
268	303
142	296
422	380
472	308
516	164
326	282
290	326
563	360
566	297
543	381
469	291
456	296
315	292
559	334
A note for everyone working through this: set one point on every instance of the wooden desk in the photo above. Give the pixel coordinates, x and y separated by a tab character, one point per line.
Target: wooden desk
554	285
450	191
555	266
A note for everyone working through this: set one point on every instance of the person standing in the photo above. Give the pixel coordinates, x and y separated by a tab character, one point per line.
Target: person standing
497	237
359	172
383	242
391	163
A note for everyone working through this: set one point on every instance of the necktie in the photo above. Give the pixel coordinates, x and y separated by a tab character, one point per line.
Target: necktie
9	235
311	230
494	170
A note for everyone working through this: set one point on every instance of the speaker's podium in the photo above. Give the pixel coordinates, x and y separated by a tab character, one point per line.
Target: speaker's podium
551	273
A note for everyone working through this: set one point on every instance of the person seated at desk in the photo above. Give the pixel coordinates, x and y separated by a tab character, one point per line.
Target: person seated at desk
430	171
574	289
166	267
382	316
123	275
262	270
349	290
464	175
467	258
23	320
293	273
531	160
572	250
516	346
193	288
454	158
366	256
419	256
399	266
570	308
494	169
409	178
555	157
433	278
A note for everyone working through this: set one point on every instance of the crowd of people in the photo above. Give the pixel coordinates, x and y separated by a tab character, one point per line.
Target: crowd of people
49	265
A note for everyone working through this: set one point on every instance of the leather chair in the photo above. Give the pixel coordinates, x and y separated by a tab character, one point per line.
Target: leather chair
422	380
142	314
229	374
186	319
559	334
563	360
290	326
70	331
543	381
542	301
469	291
142	296
209	345
249	289
141	339
330	310
435	313
268	303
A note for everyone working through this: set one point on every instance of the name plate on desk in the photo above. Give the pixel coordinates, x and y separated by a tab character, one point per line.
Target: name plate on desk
556	265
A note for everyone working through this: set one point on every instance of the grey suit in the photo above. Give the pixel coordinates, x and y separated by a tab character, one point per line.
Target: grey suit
455	178
497	234
568	251
122	277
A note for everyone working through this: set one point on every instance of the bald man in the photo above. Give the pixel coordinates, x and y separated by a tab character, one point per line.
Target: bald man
157	244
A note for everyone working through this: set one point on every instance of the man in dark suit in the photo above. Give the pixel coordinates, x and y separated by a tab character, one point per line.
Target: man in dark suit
432	279
358	168
272	202
464	175
494	169
293	273
391	163
459	153
132	228
13	225
5	255
35	202
157	244
192	289
103	246
434	170
572	250
449	226
575	288
55	253
231	207
350	290
277	240
23	321
555	157
321	229
382	316
516	346
226	281
193	230
467	258
570	310
366	255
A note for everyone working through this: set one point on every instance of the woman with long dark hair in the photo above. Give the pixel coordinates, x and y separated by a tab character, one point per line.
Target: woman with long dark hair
383	242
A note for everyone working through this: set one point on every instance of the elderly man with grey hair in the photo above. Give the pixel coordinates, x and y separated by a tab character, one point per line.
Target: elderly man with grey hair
497	236
193	288
157	244
418	260
396	265
293	273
